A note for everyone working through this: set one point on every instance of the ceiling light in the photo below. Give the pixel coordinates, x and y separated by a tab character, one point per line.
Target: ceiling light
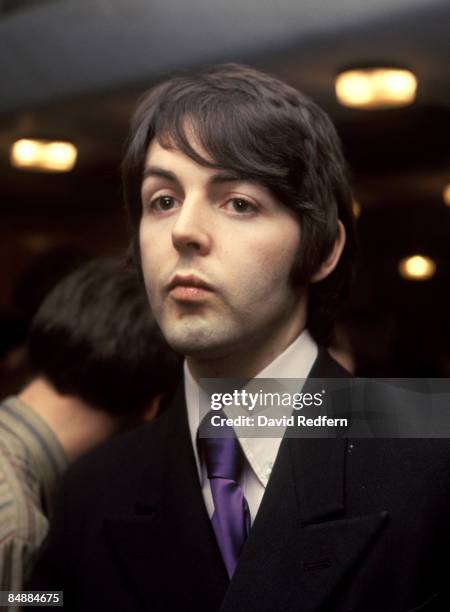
417	267
375	88
356	209
446	194
43	155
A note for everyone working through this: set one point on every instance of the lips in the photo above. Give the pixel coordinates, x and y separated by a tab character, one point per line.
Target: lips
189	288
188	281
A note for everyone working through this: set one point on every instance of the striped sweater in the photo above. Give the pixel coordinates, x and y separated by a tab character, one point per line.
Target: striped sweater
31	464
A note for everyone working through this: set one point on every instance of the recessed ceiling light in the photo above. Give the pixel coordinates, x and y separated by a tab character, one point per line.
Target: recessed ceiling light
356	208
43	155
417	267
446	194
375	88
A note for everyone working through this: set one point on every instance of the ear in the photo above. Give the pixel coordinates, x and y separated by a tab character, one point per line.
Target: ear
329	264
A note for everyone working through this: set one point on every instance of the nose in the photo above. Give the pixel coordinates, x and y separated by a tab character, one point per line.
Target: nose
191	231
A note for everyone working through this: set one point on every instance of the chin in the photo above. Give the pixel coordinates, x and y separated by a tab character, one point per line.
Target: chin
197	344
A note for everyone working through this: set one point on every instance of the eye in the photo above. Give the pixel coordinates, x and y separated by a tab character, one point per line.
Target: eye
241	206
163	203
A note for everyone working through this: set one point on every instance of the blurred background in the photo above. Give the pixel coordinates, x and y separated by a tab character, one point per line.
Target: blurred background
72	71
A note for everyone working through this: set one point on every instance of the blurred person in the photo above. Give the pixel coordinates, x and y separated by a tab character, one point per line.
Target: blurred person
101	367
241	215
37	280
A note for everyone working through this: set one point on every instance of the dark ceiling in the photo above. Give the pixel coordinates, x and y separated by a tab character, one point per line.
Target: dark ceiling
73	69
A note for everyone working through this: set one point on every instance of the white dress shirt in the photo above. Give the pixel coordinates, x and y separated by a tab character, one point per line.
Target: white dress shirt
260	453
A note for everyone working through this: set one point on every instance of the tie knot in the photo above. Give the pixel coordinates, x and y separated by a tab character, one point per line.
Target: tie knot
222	457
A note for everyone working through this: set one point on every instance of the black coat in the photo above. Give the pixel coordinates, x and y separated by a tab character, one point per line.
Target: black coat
344	525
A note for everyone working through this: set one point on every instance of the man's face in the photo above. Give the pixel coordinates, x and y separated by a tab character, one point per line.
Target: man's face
216	256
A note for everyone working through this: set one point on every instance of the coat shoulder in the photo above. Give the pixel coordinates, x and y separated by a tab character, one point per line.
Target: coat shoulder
114	470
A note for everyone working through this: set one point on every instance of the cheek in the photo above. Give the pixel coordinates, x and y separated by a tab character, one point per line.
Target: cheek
153	253
263	271
283	251
273	254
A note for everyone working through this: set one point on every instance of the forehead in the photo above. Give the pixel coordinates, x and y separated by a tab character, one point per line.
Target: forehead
164	153
170	163
184	139
213	143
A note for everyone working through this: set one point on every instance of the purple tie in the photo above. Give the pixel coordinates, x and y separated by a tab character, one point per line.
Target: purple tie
231	518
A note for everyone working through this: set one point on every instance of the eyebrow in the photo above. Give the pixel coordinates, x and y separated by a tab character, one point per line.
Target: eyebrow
223	176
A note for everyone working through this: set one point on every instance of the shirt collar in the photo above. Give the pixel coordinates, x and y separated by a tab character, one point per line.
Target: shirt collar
294	362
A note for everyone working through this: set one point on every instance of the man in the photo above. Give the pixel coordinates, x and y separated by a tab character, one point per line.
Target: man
100	366
238	196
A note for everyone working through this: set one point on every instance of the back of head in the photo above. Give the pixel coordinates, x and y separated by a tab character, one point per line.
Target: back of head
43	273
94	337
264	130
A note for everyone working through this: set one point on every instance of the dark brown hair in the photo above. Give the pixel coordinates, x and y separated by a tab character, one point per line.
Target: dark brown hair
94	337
262	129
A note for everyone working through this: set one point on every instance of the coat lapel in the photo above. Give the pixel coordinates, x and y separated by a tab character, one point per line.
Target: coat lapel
302	544
169	539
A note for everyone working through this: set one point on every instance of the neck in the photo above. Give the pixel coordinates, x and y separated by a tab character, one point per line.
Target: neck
78	426
248	359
